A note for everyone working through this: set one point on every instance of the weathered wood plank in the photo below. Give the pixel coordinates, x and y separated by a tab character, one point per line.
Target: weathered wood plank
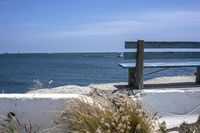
131	76
149	44
139	65
130	55
162	64
198	75
130	44
159	50
127	65
163	55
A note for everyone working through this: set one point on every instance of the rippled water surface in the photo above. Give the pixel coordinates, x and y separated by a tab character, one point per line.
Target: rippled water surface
17	71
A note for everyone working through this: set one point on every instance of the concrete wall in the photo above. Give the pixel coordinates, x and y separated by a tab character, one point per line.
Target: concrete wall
41	109
174	106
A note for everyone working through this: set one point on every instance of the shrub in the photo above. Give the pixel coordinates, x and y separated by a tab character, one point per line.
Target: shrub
115	115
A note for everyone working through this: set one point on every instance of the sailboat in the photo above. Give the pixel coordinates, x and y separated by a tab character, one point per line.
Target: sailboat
121	55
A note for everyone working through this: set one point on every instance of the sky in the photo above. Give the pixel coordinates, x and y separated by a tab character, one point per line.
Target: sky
54	26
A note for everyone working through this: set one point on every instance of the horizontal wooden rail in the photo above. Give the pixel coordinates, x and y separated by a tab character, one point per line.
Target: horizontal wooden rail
163	55
132	44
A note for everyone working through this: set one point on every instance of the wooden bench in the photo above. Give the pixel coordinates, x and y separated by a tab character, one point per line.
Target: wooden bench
159	50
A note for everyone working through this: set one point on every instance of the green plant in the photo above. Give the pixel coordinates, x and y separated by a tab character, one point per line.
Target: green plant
114	115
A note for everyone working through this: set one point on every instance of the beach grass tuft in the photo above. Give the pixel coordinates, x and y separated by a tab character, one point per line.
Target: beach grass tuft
37	84
110	115
12	125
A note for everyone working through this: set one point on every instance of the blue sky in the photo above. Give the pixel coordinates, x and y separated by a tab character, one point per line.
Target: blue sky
94	26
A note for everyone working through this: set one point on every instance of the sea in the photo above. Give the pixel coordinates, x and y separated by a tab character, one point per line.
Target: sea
18	72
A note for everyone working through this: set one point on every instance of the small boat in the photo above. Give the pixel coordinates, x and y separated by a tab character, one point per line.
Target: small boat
121	55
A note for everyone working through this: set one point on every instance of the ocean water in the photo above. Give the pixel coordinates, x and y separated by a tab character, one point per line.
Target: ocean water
18	71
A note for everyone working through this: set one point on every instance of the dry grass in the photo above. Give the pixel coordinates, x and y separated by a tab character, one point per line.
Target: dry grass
37	84
108	115
12	125
100	114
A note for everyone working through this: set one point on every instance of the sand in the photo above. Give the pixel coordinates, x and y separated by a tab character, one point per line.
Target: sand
161	83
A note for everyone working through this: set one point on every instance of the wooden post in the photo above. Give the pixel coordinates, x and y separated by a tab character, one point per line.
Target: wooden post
131	77
198	75
139	65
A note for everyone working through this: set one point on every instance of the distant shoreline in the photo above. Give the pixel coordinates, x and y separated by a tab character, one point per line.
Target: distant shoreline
60	53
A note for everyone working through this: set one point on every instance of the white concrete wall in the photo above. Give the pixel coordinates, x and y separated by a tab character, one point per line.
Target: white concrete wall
40	109
174	106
